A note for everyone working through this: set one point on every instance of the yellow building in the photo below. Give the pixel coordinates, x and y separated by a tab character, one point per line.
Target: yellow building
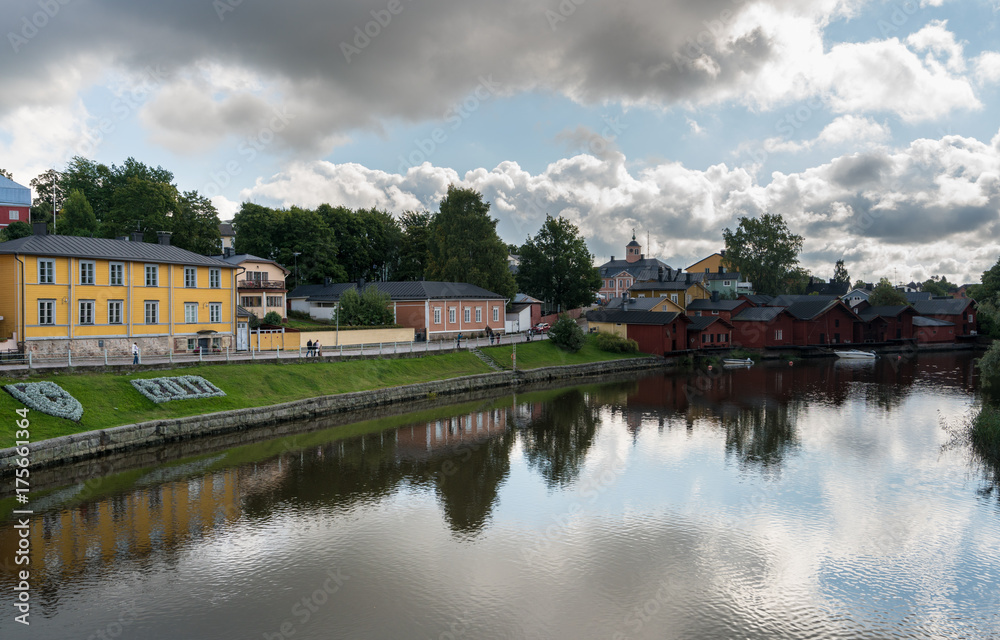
679	293
261	283
711	264
92	294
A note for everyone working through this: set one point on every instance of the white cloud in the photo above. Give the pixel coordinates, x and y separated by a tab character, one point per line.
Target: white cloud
914	208
849	130
987	66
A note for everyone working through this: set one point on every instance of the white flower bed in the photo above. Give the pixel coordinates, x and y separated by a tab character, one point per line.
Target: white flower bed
177	388
47	397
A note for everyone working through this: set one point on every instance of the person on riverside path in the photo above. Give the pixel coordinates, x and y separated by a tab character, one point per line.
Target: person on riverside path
458	341
317	350
135	353
309	348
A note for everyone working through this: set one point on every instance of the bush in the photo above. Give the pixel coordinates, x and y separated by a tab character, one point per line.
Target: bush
272	317
614	343
254	321
567	334
985	433
369	308
300	315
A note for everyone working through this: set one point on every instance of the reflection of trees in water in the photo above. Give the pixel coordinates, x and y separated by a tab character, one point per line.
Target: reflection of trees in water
761	436
557	442
467	480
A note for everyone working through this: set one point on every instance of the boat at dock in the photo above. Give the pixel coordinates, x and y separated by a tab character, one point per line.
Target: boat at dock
855	353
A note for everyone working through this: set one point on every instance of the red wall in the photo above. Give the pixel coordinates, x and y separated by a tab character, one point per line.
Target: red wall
21	216
758	335
934	334
659	339
808	332
720	336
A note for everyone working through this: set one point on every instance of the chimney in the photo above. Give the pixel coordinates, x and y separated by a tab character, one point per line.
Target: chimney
361	284
687	278
227	252
327	281
39	228
642	256
659	274
715	296
163	237
612	258
137	236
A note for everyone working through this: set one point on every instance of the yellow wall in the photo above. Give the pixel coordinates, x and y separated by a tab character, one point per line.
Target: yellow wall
611	327
712	262
9	297
359	336
696	291
67	292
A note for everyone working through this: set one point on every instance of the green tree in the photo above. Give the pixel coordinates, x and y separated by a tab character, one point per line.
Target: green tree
41	208
6	174
255	228
763	250
796	281
557	266
934	288
140	205
464	245
369	308
367	241
985	294
885	294
567	334
859	284
272	317
195	225
77	216
307	233
16	230
413	250
840	274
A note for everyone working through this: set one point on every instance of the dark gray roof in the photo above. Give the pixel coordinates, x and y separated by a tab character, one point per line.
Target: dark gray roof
939	307
645	269
637	304
758	298
758	314
238	258
242	311
700	323
717	305
226	229
788	300
523	298
636	317
916	296
922	321
809	309
715	275
886	311
76	247
416	290
672	285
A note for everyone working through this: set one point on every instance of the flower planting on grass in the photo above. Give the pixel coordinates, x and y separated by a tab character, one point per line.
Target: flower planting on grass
177	388
47	397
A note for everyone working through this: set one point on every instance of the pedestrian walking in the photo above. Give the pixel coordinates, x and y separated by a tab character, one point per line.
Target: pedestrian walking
135	353
309	348
317	350
458	341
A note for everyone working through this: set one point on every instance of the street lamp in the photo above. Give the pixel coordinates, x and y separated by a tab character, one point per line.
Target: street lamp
296	254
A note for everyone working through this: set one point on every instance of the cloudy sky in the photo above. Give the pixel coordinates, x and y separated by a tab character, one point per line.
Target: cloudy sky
870	125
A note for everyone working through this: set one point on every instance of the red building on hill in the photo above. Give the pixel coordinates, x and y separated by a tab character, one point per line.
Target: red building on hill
15	202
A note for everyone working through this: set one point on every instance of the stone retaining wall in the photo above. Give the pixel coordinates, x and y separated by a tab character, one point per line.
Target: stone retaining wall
156	432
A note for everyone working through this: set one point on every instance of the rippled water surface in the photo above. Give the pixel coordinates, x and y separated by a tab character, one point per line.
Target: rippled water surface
821	500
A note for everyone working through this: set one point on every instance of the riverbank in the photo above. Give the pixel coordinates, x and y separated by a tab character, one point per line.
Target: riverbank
117	418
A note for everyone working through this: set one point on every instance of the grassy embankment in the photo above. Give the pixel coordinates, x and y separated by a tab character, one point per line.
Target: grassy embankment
109	400
985	432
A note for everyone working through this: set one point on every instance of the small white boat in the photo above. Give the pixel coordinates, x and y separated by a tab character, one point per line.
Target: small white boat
735	361
854	353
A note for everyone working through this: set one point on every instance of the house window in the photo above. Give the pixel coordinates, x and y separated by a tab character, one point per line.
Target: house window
451	315
663	295
777	334
215	278
192	344
704	338
215	312
621	284
152	311
715	313
114	311
216	343
86	312
250	301
673	298
152	275
726	283
86	272
437	315
642	295
496	314
274	301
190	312
190	277
116	274
15	214
970	317
46	272
479	314
46	312
467	316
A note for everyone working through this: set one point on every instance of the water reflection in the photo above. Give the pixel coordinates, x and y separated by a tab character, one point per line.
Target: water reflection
556	442
766	422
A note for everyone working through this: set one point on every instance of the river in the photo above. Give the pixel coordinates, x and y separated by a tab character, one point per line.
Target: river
813	500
